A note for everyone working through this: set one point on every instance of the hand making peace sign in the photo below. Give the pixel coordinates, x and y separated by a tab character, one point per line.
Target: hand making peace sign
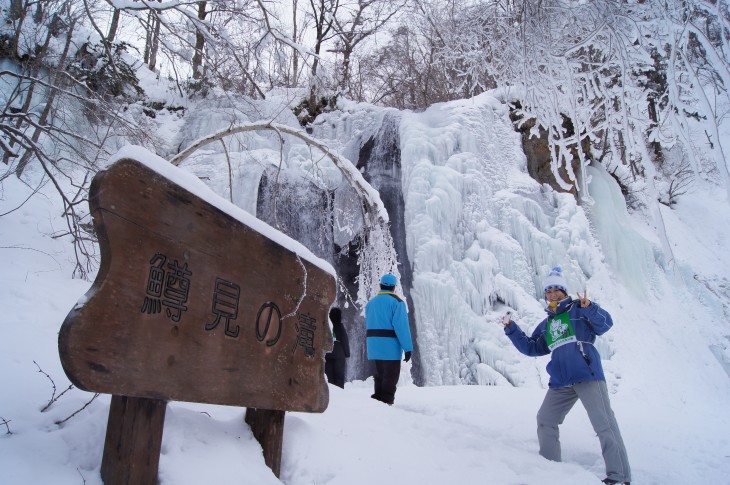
584	301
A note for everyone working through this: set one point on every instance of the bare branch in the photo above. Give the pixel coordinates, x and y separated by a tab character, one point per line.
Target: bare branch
6	423
78	410
54	398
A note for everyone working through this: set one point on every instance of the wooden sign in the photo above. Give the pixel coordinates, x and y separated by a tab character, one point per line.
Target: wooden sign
191	304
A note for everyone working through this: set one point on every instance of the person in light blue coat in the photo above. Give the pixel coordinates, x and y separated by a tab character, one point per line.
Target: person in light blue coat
568	334
388	337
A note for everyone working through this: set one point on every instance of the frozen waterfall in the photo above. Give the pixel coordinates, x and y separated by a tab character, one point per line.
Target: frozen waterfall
475	234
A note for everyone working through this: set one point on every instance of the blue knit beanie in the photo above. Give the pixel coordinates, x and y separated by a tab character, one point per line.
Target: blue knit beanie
556	280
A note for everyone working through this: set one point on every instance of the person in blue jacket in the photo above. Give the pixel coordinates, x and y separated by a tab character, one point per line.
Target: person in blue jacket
568	334
388	336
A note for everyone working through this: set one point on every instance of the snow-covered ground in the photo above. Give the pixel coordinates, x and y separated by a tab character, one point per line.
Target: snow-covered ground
481	234
669	391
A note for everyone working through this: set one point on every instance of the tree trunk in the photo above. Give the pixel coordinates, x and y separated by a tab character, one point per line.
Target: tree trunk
199	44
53	91
155	44
113	27
345	81
323	23
152	43
17	13
295	57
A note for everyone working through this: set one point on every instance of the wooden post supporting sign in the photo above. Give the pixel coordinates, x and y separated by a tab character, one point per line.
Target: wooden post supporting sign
267	427
196	301
133	441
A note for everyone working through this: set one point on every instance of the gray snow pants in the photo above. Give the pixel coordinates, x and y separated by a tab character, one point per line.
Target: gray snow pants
594	396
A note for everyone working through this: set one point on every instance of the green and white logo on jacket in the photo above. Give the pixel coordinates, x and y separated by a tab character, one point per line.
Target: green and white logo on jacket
559	331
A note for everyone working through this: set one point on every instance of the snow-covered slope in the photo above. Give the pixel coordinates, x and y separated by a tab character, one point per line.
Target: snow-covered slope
481	236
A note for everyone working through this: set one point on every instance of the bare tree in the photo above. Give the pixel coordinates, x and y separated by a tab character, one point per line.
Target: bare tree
323	13
680	181
220	31
408	72
354	23
54	92
152	38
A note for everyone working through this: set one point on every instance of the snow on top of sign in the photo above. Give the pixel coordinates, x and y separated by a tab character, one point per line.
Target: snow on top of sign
192	184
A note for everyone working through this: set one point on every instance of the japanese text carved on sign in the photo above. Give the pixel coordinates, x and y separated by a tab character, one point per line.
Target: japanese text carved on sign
191	304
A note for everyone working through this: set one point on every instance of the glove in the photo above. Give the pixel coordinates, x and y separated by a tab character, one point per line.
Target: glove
408	357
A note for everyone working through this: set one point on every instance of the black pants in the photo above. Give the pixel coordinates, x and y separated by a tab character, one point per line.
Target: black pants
386	377
335	370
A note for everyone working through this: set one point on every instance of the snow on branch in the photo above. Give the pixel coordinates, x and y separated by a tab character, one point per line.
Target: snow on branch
376	254
370	197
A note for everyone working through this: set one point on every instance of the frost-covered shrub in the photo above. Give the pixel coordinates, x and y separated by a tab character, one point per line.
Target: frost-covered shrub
104	70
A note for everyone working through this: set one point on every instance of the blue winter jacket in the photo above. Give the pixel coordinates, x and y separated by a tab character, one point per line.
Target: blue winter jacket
576	361
388	333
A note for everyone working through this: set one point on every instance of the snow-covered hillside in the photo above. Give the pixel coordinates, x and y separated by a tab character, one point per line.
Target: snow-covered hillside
481	236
